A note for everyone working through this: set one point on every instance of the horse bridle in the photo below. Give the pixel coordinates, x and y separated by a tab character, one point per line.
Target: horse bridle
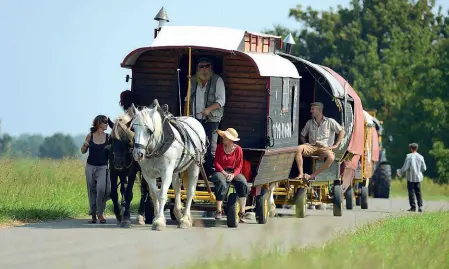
143	147
126	166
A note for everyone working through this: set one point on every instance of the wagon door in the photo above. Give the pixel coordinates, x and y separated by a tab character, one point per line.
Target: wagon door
283	112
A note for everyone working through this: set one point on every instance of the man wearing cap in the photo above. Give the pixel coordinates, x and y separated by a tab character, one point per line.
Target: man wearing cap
207	100
413	167
321	133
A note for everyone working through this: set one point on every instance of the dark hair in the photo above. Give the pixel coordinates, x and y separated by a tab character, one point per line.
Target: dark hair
126	99
413	146
97	121
204	60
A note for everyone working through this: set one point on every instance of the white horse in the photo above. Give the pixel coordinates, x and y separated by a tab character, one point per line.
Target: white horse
161	152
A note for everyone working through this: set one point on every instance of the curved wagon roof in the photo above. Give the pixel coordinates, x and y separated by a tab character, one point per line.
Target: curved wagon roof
219	39
337	89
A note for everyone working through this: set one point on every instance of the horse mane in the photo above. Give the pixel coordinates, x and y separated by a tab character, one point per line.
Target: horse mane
121	131
151	112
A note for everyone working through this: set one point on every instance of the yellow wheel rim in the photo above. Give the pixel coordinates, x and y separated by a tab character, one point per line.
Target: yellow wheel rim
237	211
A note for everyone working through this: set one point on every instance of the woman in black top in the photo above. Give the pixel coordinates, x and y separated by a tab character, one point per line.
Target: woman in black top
97	176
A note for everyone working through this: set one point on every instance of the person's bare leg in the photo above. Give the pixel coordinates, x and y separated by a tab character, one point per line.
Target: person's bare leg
219	206
330	157
299	161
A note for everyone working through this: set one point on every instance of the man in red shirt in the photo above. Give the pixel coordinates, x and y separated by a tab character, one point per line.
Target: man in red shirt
228	169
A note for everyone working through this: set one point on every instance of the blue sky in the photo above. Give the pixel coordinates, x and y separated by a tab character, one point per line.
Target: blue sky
61	59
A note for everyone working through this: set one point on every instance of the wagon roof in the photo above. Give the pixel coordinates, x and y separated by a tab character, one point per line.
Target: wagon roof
336	87
220	39
199	36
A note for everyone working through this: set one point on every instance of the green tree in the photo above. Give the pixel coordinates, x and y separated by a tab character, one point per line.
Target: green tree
57	146
5	144
27	145
394	54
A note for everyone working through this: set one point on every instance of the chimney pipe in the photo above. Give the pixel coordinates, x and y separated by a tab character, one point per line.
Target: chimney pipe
162	18
289	42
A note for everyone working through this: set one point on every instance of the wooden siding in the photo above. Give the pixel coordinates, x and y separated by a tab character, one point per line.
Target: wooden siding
284	112
246	101
154	77
274	167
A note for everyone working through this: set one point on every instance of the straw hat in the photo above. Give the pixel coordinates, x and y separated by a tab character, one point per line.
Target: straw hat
230	134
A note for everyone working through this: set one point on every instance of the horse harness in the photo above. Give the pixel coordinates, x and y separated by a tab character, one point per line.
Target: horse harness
168	137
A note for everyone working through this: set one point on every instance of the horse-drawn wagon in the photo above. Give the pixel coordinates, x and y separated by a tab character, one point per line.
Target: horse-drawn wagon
322	84
262	100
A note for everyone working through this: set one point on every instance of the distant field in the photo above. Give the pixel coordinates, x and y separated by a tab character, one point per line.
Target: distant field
412	241
36	190
430	190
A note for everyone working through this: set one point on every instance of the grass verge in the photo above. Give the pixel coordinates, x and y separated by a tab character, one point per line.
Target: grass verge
411	241
38	190
430	190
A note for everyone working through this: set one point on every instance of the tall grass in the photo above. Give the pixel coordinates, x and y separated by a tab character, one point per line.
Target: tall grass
412	241
430	190
40	189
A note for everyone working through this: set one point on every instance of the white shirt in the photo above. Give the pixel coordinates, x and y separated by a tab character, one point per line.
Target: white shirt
413	167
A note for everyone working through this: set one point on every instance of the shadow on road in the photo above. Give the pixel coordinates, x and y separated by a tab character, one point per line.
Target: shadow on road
111	223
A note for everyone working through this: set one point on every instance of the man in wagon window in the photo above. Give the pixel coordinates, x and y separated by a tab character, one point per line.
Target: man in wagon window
207	100
321	132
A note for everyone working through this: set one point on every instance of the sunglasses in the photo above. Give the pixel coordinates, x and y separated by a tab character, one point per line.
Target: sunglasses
203	66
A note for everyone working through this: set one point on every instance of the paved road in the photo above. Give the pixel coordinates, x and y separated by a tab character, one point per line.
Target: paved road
76	244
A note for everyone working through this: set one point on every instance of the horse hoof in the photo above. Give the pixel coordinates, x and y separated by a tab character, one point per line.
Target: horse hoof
125	224
185	223
158	225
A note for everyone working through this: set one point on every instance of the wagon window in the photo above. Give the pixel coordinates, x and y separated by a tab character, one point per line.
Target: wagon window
285	95
294	106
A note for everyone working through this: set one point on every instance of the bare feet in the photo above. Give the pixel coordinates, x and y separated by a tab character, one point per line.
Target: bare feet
310	177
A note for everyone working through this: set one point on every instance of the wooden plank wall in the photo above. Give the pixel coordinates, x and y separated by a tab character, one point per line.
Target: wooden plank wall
154	76
246	101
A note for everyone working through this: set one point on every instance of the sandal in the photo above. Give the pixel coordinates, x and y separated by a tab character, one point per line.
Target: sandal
102	220
218	215
242	217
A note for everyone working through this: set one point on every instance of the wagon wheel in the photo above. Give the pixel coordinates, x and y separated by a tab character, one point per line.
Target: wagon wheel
300	200
232	211
337	200
350	198
364	198
262	207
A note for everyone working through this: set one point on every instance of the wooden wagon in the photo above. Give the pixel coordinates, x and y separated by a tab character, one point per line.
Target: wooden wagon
262	99
320	83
